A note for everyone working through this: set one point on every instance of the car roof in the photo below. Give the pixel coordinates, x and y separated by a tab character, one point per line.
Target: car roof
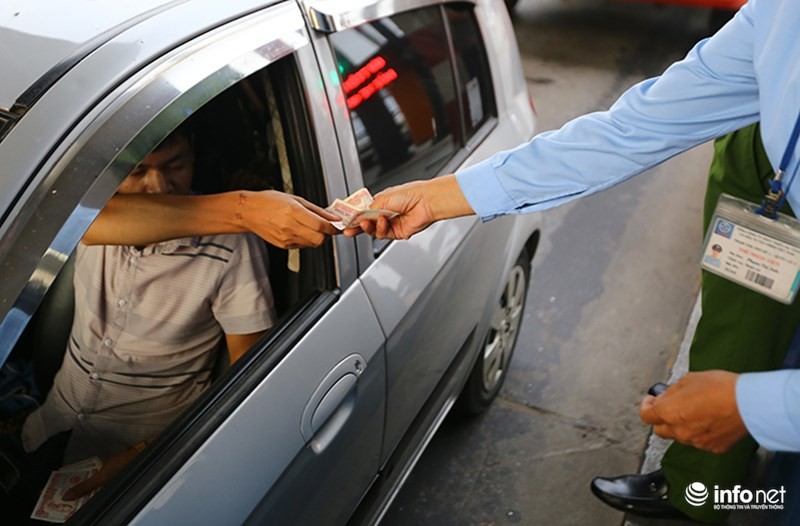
39	39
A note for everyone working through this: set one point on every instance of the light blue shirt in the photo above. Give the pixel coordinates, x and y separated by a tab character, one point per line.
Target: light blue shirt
749	71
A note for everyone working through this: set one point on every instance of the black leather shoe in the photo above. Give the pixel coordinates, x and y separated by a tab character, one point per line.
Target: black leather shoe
644	495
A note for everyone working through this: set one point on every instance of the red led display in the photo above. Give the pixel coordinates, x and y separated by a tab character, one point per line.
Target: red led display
371	78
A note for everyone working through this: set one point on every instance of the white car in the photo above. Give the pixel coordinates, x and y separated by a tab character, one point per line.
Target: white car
322	420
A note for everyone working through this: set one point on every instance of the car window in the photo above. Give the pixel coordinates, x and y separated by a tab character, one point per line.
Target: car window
397	80
473	74
248	138
253	136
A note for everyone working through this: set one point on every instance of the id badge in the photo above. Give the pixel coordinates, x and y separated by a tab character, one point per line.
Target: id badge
756	252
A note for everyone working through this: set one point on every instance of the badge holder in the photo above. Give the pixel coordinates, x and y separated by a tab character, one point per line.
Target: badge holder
753	250
757	246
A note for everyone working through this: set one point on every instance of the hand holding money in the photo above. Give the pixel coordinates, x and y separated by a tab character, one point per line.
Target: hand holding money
52	505
356	208
415	206
111	467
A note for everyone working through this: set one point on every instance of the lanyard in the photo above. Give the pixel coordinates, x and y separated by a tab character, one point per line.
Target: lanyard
775	197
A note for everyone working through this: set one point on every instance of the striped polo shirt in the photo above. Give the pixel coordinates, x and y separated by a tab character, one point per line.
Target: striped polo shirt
147	326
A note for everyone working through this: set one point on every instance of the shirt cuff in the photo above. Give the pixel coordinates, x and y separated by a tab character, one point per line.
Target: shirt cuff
484	192
769	404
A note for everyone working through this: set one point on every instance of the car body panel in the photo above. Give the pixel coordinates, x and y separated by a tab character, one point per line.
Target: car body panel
263	436
50	33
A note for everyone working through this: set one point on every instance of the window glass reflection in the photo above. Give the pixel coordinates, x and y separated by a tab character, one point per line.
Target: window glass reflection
474	78
398	85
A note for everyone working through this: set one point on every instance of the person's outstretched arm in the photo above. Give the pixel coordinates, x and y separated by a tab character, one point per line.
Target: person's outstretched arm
283	220
711	92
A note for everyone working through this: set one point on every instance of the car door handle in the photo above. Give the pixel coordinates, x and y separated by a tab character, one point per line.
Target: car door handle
339	405
332	402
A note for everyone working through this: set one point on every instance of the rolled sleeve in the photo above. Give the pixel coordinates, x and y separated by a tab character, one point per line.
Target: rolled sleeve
769	404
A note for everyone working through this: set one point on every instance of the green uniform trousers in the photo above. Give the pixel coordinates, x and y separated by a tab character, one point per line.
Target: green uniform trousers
739	330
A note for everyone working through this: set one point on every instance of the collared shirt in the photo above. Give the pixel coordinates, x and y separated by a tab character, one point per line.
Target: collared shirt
749	71
147	327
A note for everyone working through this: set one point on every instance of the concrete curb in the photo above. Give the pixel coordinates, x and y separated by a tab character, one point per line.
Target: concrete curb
656	446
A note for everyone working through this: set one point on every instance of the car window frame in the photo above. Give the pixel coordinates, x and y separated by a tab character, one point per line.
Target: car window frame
39	241
330	16
444	145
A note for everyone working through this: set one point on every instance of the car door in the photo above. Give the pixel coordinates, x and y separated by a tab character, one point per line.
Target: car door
299	418
405	113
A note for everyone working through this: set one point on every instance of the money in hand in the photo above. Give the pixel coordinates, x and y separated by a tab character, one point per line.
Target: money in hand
355	208
51	506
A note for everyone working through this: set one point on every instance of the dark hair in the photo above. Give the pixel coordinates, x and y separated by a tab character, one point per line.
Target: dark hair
184	130
716	248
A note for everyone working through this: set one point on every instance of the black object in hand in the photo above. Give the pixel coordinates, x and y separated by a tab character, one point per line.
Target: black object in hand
657	389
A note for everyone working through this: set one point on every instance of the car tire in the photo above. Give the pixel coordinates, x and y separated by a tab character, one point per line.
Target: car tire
497	345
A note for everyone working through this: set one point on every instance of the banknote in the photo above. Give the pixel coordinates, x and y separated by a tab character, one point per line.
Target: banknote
345	211
373	213
355	208
360	199
93	463
51	506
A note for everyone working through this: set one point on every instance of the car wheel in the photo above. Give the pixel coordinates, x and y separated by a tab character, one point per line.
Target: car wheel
498	344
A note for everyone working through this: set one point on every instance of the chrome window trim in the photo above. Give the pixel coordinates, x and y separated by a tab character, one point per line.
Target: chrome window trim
50	225
324	129
55	121
330	16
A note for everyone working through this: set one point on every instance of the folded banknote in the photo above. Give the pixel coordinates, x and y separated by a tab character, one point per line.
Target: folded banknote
355	208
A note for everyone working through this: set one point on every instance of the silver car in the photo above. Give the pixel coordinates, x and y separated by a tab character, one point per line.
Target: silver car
322	421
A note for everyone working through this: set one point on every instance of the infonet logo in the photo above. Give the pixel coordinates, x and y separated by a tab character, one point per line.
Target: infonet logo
696	494
738	498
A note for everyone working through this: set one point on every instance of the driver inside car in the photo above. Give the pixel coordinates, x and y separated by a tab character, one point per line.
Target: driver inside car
151	315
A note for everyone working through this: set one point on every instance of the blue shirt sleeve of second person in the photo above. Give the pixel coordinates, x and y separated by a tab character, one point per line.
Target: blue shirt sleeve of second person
769	404
709	93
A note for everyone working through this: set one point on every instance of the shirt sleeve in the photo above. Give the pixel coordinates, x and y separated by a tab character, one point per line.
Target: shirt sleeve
769	404
711	92
244	303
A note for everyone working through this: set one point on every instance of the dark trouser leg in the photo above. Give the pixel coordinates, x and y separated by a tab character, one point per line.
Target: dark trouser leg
740	330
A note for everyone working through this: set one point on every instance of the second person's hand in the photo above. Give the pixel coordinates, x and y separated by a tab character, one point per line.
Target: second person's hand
418	204
699	410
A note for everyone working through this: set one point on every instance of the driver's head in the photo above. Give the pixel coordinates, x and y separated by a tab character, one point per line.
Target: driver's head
166	170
